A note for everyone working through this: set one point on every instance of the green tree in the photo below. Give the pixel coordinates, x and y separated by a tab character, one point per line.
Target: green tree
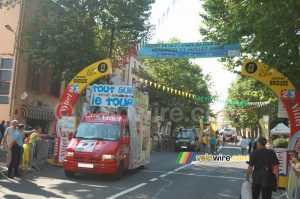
70	35
268	31
251	90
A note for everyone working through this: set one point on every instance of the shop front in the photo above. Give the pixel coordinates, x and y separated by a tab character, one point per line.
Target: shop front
39	117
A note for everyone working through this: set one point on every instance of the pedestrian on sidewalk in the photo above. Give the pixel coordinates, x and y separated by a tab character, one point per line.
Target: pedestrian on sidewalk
262	159
244	144
212	144
250	145
8	138
255	144
16	151
2	130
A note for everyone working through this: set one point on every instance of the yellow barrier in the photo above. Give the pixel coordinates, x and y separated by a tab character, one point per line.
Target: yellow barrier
292	185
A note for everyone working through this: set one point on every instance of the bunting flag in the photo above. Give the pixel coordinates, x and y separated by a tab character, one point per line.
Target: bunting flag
196	97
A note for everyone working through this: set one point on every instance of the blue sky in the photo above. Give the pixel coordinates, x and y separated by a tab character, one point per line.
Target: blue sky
181	19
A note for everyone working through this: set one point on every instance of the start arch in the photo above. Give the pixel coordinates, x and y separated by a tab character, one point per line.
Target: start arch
68	99
285	91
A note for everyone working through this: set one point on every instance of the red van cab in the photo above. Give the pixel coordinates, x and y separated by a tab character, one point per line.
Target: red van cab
100	145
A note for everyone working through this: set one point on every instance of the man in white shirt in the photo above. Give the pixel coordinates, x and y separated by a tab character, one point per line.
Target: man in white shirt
8	138
244	144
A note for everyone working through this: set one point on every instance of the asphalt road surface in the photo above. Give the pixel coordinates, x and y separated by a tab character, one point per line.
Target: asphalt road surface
162	178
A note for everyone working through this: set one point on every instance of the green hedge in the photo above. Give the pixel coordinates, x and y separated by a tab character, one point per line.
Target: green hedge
280	143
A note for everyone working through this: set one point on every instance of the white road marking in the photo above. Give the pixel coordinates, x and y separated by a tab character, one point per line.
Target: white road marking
127	191
219	148
163	175
153	179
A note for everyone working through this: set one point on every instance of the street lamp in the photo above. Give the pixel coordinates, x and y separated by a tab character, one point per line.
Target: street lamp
7	26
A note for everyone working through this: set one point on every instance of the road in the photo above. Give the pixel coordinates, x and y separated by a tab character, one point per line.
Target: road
162	178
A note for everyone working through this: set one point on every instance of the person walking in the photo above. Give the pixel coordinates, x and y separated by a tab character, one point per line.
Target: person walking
250	145
244	144
2	130
16	151
262	159
255	144
212	144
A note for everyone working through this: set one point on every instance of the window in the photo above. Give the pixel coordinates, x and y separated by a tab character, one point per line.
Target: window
55	88
33	79
126	132
4	88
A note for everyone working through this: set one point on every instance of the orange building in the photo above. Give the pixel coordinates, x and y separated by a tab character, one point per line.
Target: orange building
25	94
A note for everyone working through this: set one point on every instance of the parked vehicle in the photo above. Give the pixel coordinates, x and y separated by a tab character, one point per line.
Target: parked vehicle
227	134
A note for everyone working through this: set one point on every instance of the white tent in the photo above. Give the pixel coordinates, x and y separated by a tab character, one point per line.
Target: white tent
280	129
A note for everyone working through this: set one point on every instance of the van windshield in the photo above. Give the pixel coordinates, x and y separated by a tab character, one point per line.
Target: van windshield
99	131
186	134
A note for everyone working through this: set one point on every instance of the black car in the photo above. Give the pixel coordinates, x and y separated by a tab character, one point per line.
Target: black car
187	140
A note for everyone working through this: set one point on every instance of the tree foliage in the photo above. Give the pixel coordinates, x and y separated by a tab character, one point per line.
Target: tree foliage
70	35
251	90
268	31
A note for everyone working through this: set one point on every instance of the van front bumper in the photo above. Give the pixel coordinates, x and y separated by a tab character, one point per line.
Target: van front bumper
85	167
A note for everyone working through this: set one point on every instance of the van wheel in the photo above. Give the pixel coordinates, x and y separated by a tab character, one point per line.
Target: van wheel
119	174
69	174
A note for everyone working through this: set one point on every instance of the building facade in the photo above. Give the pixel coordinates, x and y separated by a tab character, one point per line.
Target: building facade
29	96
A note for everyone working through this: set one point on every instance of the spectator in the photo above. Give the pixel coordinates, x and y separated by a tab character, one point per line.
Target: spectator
2	131
250	145
6	125
37	134
261	159
296	163
8	137
269	144
236	140
16	150
203	142
212	144
255	144
244	144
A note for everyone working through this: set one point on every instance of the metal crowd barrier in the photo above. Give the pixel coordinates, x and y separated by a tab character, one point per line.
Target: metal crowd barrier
161	145
3	162
35	155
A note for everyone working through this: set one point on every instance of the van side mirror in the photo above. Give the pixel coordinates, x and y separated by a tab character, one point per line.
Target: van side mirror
196	138
127	140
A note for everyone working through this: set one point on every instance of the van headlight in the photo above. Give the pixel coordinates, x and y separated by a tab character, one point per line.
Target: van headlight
192	142
108	157
69	154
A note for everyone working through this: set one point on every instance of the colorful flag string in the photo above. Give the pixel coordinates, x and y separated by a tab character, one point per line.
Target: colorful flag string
187	94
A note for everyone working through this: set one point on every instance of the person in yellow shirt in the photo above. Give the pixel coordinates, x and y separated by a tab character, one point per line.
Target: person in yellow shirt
37	133
208	141
204	143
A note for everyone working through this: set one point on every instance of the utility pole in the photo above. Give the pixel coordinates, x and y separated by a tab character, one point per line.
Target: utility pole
111	50
270	117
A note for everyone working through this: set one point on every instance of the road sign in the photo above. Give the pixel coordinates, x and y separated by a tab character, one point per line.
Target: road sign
16	112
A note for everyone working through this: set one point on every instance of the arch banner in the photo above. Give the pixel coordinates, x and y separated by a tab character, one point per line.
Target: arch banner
68	99
285	91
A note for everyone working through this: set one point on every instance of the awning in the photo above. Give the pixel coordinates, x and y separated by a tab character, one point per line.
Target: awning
39	113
